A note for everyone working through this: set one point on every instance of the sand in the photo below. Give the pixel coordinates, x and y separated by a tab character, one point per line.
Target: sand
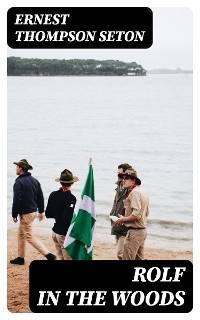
18	276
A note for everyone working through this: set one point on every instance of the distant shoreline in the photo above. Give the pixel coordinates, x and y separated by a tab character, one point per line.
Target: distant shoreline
93	75
148	72
169	71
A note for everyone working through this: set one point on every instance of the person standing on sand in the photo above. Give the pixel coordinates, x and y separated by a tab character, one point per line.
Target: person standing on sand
60	206
136	213
118	208
28	200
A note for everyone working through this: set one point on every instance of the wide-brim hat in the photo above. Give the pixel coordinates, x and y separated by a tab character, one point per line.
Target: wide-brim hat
66	176
130	173
24	164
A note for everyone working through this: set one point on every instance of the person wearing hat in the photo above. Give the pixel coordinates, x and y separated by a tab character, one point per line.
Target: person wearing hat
60	206
136	207
28	200
118	208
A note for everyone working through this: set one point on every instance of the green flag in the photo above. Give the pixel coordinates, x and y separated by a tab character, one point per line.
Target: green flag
80	236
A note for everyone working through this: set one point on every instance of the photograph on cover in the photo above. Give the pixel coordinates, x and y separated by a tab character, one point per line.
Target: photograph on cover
67	108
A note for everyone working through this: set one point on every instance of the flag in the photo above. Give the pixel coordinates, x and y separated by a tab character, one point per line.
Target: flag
80	236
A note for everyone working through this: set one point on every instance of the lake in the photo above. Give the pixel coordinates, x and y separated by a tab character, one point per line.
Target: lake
60	122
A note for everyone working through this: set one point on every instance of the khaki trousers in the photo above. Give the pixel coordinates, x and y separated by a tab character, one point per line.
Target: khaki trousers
60	250
120	247
25	233
134	244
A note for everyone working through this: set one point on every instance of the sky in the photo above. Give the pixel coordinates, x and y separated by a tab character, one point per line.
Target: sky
172	44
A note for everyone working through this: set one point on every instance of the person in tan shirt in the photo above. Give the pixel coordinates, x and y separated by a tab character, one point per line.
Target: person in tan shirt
136	207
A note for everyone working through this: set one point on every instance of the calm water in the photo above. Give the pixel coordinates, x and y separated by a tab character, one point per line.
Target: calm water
60	122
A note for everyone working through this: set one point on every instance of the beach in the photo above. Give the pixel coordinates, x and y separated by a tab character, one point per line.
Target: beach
18	276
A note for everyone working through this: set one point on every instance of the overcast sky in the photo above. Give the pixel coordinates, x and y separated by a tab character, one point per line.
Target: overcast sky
172	44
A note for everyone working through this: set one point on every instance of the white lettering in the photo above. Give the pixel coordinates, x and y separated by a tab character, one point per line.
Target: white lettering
102	36
156	299
141	298
154	274
19	19
100	296
164	296
127	36
121	297
86	298
71	297
140	35
139	272
49	295
178	273
179	298
46	19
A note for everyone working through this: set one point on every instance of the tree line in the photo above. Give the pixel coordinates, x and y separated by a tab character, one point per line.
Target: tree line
17	66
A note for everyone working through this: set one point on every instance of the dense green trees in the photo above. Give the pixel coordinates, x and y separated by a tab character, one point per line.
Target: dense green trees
74	67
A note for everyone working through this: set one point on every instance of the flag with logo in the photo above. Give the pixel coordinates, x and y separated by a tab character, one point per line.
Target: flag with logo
80	236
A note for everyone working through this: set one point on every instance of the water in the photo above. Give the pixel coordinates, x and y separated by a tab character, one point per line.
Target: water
60	122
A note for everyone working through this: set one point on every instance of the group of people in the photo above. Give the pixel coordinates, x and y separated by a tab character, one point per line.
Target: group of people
130	209
28	202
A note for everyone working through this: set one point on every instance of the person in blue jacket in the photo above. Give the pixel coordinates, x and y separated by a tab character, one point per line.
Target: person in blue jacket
28	202
60	206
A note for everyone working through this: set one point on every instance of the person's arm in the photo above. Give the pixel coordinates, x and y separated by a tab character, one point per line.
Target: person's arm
17	196
123	219
40	200
49	212
112	212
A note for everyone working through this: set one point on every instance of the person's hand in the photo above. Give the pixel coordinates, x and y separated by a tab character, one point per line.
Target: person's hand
120	220
15	219
40	216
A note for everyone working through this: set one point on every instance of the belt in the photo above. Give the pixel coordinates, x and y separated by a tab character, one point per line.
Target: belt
132	228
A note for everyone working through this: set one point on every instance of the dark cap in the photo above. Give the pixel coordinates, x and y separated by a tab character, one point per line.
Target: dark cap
24	164
130	173
66	176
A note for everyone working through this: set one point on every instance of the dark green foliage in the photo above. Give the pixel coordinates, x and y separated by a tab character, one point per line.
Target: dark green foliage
74	67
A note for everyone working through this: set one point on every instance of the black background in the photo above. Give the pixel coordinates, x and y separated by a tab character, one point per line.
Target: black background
85	19
105	275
